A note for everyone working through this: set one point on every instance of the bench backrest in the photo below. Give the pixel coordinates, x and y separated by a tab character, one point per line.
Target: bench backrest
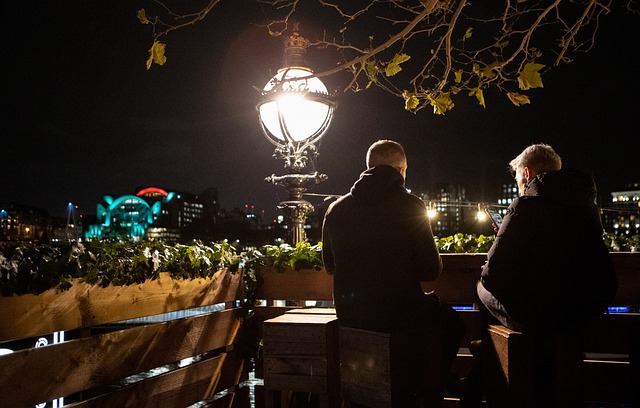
185	329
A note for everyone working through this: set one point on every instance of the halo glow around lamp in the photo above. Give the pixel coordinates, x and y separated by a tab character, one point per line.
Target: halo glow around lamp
295	110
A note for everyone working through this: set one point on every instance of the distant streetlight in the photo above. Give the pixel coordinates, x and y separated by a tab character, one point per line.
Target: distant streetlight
295	111
431	210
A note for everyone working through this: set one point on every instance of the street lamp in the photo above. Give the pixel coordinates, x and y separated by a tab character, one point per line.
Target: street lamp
295	111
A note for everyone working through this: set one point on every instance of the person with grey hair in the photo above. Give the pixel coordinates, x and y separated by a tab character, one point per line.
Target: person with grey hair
378	244
549	268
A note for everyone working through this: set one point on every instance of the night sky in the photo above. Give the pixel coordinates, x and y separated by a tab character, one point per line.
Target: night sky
84	118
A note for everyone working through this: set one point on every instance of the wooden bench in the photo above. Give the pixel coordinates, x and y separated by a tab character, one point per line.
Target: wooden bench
608	361
521	370
564	370
385	370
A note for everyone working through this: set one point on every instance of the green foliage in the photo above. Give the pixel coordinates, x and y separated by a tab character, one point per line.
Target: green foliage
35	268
26	268
302	256
622	244
464	243
29	268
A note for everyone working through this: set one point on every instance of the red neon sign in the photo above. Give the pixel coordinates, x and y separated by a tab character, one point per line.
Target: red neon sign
150	190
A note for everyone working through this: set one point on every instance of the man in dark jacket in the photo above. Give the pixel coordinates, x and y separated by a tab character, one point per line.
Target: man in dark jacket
548	269
378	244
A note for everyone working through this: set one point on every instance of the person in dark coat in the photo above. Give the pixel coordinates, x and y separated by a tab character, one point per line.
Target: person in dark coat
549	268
378	244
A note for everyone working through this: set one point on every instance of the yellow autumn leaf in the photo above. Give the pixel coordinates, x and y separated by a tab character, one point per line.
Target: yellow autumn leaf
142	16
394	65
371	68
479	94
441	104
530	76
156	54
410	101
468	33
486	72
458	75
518	99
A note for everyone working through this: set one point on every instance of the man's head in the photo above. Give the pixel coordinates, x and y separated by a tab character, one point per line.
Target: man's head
535	159
389	153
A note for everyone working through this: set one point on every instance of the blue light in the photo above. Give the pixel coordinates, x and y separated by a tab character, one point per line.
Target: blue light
458	307
618	309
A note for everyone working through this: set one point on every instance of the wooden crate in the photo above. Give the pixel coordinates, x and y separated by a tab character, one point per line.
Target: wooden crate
301	355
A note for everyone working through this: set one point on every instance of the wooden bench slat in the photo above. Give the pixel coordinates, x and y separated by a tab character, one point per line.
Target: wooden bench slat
101	359
180	387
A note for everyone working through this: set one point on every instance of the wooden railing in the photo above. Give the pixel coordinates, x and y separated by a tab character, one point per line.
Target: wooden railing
146	346
178	356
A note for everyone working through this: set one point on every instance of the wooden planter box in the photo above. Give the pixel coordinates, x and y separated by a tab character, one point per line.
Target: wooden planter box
456	283
87	305
305	284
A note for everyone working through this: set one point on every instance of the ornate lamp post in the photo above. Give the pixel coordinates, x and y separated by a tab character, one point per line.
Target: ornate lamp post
295	111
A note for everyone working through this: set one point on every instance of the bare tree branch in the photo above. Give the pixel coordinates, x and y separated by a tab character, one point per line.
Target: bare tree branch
428	52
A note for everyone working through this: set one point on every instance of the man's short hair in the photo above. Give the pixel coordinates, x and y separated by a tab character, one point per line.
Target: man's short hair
386	152
539	157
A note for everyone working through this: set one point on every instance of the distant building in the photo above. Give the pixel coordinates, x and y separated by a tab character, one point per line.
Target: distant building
156	213
24	223
624	219
450	204
509	193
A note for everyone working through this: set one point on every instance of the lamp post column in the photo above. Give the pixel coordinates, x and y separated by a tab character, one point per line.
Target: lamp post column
295	112
296	208
297	213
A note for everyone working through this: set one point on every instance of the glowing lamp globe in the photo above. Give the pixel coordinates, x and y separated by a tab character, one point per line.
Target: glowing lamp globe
295	107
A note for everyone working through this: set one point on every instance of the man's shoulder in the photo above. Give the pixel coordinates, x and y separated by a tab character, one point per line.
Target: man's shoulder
340	202
342	199
413	202
414	199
